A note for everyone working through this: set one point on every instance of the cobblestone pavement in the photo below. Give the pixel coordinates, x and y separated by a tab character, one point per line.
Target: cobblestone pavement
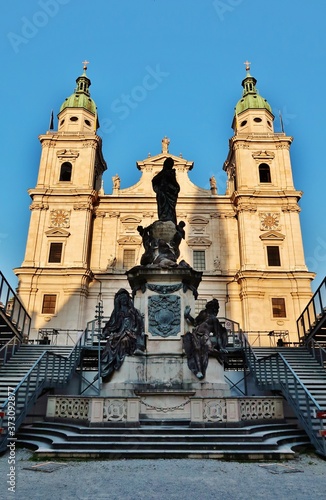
301	478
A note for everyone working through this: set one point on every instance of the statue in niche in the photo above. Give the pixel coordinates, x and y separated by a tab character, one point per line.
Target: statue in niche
124	333
208	337
167	189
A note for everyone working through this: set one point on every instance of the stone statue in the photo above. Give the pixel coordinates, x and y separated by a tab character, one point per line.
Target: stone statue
112	261
167	189
178	237
212	183
165	144
207	337
217	263
124	333
116	181
159	251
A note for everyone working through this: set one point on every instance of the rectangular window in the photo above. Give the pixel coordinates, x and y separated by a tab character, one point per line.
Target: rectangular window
278	308
273	256
49	303
55	253
199	260
128	258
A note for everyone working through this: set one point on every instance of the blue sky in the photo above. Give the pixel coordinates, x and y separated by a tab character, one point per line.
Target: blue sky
195	49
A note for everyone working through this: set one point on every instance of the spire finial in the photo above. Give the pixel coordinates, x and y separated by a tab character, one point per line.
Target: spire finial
247	63
85	63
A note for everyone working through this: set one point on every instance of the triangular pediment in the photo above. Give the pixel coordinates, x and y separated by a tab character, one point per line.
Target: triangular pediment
272	235
156	162
129	240
152	165
57	233
199	241
263	155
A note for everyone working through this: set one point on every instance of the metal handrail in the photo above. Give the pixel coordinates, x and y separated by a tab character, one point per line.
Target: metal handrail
92	330
49	369
279	379
307	419
14	309
314	310
7	352
317	351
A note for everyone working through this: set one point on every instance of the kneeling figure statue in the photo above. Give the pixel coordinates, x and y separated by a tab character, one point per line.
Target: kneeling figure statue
208	337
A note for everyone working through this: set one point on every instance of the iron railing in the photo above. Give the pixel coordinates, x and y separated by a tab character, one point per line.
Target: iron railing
93	329
57	336
313	313
9	349
265	338
50	370
13	311
317	351
274	372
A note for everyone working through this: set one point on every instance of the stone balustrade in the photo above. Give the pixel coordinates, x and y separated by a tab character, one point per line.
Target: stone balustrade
102	410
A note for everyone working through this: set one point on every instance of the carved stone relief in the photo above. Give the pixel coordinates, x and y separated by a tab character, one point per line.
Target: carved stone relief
269	220
59	218
164	315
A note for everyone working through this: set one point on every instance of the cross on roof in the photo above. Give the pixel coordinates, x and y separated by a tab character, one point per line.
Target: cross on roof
247	63
85	65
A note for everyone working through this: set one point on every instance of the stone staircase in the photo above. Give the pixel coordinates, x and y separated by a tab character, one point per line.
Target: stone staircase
168	440
301	379
309	371
26	374
18	365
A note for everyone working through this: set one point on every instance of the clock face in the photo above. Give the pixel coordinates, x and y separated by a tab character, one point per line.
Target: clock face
269	221
60	218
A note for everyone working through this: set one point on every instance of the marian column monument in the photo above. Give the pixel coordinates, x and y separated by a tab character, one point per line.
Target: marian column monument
155	348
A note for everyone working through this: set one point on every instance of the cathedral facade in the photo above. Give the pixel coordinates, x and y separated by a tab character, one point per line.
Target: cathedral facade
247	242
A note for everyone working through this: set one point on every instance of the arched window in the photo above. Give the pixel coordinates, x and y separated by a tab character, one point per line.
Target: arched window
65	171
264	173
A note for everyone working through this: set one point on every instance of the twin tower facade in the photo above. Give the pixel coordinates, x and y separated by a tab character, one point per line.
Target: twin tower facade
247	242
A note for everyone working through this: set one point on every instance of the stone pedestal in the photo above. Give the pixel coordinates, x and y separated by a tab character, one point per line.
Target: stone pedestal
161	377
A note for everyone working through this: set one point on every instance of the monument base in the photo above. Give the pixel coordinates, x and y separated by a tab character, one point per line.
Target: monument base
151	372
161	377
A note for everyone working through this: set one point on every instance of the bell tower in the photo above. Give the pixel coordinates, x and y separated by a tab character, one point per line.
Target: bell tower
56	264
273	281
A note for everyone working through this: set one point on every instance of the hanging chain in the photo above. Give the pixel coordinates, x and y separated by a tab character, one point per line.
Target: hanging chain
167	409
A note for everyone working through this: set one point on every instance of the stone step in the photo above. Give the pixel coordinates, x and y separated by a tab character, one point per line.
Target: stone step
265	441
165	437
161	426
284	452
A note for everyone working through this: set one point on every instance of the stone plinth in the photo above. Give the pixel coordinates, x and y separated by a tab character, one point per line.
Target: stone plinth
161	376
161	295
164	373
